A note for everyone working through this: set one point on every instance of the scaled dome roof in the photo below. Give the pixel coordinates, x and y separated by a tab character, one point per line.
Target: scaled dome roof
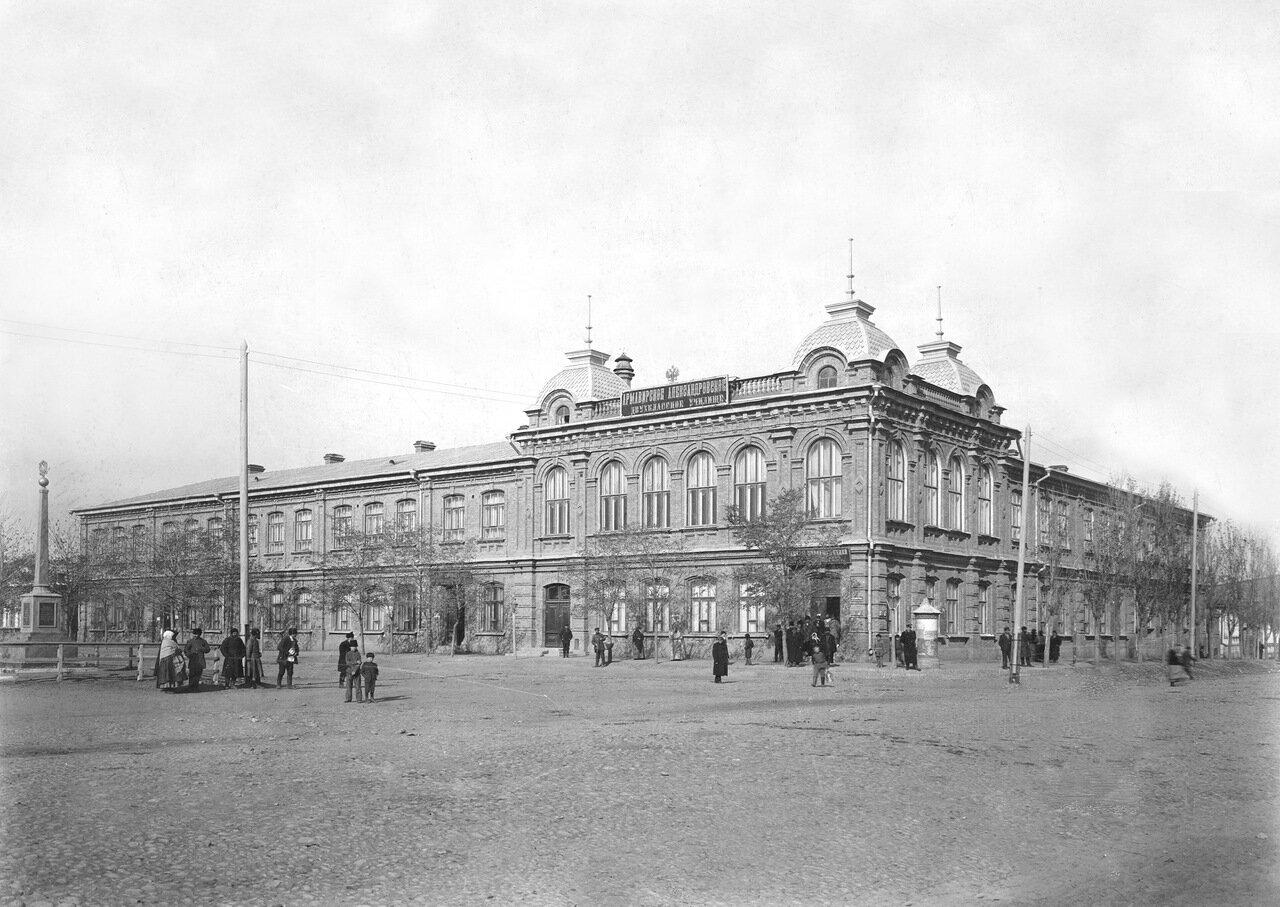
585	379
940	364
848	330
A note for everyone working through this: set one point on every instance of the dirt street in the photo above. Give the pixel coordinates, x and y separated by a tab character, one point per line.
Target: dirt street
544	780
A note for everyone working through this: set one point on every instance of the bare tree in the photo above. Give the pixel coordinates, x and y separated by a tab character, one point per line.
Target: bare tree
625	570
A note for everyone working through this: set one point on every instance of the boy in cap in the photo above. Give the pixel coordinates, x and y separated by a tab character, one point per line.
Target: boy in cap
369	673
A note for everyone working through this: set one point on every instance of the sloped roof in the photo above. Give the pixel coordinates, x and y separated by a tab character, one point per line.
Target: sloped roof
850	331
475	455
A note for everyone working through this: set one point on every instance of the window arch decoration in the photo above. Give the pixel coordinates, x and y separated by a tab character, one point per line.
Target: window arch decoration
556	493
702	604
932	489
896	481
613	497
493	515
655	492
828	376
955	493
455	511
700	484
374	513
749	482
823	467
986	522
492	597
341	525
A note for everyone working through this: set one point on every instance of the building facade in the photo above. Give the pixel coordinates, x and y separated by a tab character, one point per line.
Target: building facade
911	482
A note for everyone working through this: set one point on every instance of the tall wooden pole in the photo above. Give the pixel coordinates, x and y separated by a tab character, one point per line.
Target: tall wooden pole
1195	531
244	487
1022	556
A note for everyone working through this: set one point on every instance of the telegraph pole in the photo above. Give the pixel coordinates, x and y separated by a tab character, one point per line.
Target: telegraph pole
1195	530
1022	557
244	486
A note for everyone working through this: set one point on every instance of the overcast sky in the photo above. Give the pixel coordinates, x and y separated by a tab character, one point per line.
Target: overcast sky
432	190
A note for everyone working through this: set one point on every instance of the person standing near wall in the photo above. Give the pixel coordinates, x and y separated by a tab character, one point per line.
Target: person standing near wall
720	657
566	637
253	659
1006	648
232	649
197	648
286	657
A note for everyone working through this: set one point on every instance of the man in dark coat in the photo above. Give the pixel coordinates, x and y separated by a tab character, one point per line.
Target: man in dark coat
196	648
233	650
909	648
637	640
777	644
720	657
1006	647
287	657
566	637
828	642
597	644
793	644
748	646
1024	648
342	657
1055	647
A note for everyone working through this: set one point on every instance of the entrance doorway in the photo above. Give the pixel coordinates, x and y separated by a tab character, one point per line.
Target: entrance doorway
555	613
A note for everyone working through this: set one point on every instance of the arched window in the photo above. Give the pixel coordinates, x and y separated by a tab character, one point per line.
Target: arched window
822	472
702	601
827	376
120	542
214	528
700	478
657	605
932	480
302	601
655	489
562	415
302	530
896	482
406	516
955	494
493	515
455	509
373	514
405	602
751	620
557	494
375	611
275	532
491	597
168	531
191	526
140	539
341	525
749	483
613	498
985	524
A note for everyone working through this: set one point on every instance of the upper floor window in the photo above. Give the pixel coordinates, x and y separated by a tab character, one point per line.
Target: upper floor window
896	482
493	515
822	472
1015	518
341	524
613	498
214	528
140	540
302	530
455	507
168	532
749	483
562	415
1044	517
557	495
752	618
985	524
701	481
100	540
932	482
120	542
253	533
406	516
491	600
373	517
655	492
827	376
702	598
1088	527
955	494
275	532
192	525
1064	525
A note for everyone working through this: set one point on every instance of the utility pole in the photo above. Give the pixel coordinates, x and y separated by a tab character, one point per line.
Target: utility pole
1195	530
244	487
1022	556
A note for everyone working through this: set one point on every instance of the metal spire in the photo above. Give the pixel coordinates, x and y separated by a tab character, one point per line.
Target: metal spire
588	319
939	313
851	290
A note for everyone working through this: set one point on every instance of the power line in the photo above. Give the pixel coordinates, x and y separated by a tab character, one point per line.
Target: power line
298	368
118	346
50	327
350	368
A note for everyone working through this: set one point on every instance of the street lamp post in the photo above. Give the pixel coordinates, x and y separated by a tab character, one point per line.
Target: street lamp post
1040	621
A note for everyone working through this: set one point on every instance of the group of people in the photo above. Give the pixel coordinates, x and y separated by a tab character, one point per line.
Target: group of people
603	645
180	666
1033	646
354	674
904	649
795	642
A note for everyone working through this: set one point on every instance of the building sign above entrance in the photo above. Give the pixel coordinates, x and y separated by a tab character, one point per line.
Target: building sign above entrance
669	397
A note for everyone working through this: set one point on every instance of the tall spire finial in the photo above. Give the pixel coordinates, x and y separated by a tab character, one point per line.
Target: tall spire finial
939	313
588	319
851	292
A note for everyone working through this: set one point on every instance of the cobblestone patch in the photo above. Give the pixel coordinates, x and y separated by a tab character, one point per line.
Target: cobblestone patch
547	781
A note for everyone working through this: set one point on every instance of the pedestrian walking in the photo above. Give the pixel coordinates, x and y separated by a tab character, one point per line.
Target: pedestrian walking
354	681
253	659
877	649
818	658
369	676
197	648
637	640
232	649
287	657
748	645
345	645
777	644
909	649
566	637
597	645
720	657
1006	647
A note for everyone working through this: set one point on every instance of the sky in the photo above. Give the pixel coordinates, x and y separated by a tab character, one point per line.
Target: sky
431	191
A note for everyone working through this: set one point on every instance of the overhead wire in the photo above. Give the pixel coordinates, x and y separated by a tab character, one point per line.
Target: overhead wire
253	354
118	346
298	368
50	327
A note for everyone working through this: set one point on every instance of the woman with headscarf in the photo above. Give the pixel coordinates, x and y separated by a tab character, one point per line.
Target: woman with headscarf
232	649
253	663
166	669
720	657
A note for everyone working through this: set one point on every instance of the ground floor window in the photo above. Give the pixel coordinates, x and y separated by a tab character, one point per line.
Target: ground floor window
657	600
702	598
491	598
752	616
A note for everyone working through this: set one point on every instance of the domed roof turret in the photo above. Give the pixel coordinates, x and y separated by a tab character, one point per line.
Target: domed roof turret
586	378
848	331
940	364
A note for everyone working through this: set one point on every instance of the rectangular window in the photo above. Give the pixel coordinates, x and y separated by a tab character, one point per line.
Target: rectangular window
373	618
953	619
657	506
657	597
703	600
613	512
493	515
1088	527
702	506
1044	518
492	596
302	531
616	602
341	525
275	533
406	516
373	522
1015	527
893	595
1064	525
454	511
752	617
253	534
984	609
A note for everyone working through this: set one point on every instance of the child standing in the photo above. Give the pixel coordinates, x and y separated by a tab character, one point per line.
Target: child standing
369	673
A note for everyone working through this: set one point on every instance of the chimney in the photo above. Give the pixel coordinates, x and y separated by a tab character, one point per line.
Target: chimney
424	446
334	458
254	468
623	368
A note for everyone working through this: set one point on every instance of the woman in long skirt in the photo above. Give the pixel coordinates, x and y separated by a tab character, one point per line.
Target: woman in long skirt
253	662
166	670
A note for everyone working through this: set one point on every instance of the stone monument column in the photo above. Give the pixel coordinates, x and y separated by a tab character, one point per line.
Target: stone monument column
42	607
